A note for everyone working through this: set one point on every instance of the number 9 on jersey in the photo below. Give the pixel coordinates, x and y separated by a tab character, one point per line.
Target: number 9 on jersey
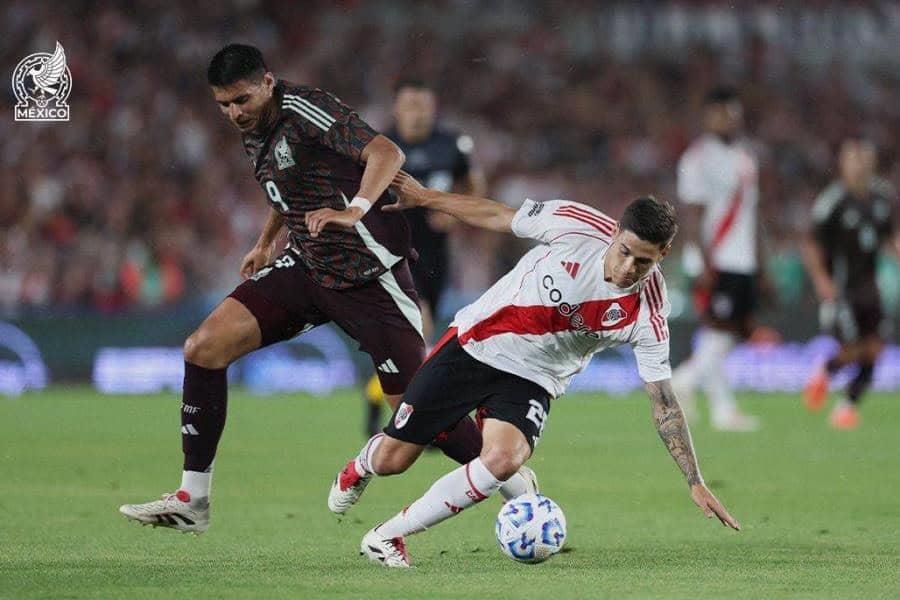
275	196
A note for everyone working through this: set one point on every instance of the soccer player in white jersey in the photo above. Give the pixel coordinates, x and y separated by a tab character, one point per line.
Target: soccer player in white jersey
591	284
718	187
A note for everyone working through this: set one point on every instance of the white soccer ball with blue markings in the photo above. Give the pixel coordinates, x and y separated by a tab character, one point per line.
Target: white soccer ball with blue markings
531	528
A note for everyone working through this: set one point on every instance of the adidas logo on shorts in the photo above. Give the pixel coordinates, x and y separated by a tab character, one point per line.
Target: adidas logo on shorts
388	366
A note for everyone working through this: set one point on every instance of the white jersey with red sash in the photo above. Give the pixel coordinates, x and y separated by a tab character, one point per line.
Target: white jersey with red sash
724	179
545	319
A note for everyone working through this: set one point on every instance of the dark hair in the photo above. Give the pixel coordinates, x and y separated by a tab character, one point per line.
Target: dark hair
651	220
860	138
235	62
411	82
721	94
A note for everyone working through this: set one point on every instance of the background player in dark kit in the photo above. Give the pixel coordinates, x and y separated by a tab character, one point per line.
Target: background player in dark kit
344	263
441	159
853	219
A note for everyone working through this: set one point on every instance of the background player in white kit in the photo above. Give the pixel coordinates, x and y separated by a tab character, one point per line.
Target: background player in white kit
592	284
718	186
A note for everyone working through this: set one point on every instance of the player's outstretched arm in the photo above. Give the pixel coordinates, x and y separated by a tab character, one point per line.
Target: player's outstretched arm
673	429
383	158
471	210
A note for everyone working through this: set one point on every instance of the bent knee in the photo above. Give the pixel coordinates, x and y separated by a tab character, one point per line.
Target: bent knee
873	351
503	463
393	457
201	349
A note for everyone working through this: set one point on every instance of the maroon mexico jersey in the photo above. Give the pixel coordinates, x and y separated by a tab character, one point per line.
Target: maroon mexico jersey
310	159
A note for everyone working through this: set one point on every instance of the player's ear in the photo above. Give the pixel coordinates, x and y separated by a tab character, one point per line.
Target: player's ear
665	250
269	80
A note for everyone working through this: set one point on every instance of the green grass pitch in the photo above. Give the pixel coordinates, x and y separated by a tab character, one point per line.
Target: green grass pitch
820	509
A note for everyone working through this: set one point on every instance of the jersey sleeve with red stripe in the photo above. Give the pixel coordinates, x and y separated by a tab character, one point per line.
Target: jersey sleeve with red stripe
548	220
651	336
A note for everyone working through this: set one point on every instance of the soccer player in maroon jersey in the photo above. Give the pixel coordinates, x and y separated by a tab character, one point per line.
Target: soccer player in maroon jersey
322	168
853	220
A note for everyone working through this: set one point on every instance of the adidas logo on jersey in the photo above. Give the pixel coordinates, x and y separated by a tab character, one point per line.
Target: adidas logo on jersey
388	366
571	267
613	315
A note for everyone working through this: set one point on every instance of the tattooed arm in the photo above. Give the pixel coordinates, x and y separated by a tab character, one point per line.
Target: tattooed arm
673	430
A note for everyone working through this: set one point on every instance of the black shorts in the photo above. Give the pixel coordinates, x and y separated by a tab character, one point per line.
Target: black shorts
430	278
733	298
858	319
380	314
451	384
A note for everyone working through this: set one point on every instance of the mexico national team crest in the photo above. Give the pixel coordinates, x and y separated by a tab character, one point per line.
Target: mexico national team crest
41	83
283	156
403	414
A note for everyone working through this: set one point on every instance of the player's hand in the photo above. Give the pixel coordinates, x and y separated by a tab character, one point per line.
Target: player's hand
828	311
707	279
768	291
318	219
255	260
711	506
825	289
410	193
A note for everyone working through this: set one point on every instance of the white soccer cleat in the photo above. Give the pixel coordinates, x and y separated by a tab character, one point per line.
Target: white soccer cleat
389	552
735	421
524	482
175	511
346	489
530	480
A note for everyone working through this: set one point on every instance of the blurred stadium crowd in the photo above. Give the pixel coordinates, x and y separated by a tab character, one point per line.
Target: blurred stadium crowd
145	197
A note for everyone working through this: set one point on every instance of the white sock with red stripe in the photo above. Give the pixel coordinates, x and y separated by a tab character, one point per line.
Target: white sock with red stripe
363	462
514	487
455	491
708	357
684	378
711	354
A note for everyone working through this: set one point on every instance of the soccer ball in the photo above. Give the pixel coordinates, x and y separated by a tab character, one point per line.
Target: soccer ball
531	528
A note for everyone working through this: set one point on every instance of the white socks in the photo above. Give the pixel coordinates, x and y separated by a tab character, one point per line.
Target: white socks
514	487
363	462
455	491
706	368
711	353
197	483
